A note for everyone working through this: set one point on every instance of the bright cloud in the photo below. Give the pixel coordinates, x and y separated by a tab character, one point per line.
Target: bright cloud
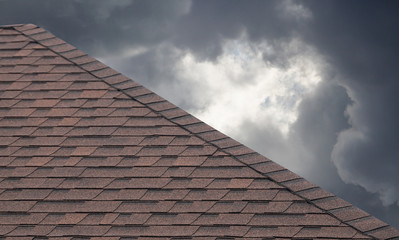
240	85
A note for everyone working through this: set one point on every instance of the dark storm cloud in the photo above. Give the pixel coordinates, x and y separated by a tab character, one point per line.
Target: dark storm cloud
360	41
211	22
351	116
155	69
320	120
99	26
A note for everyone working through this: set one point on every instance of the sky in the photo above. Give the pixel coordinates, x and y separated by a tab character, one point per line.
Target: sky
310	84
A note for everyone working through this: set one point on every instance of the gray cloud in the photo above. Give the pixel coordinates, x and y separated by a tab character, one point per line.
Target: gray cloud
359	42
209	23
360	45
310	143
319	122
346	128
155	68
100	26
366	153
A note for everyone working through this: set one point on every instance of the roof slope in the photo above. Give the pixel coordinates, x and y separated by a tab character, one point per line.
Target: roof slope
86	152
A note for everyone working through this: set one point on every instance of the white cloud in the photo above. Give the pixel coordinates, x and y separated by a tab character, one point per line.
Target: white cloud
240	85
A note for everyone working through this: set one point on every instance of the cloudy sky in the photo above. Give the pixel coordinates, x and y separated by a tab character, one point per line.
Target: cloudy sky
313	85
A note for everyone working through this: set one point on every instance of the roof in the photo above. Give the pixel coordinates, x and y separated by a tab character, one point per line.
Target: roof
86	152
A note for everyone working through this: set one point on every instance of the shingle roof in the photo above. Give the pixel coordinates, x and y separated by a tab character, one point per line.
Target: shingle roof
85	152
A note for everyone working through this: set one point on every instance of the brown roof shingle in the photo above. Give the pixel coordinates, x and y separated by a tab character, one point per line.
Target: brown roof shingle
85	152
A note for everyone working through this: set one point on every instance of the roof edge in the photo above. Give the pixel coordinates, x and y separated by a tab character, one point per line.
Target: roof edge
12	25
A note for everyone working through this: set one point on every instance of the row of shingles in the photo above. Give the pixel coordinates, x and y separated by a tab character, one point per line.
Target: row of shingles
10	209
286	224
220	186
52	109
326	201
174	219
144	154
20	231
48	39
57	172
221	220
296	184
77	211
144	95
11	58
137	90
101	71
319	197
281	175
32	62
246	155
61	164
274	171
96	217
158	103
11	42
134	89
205	192
150	200
12	65
179	211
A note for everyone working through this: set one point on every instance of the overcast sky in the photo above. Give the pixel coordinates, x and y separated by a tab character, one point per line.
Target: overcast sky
313	85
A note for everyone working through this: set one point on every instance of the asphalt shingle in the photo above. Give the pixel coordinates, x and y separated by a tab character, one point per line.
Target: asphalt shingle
85	152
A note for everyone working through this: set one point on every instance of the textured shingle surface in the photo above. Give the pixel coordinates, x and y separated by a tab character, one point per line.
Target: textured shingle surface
86	152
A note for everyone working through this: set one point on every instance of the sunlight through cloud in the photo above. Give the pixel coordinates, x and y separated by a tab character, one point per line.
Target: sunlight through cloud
240	85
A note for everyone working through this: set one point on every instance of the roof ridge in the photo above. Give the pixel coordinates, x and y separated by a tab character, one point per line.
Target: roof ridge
312	194
12	25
